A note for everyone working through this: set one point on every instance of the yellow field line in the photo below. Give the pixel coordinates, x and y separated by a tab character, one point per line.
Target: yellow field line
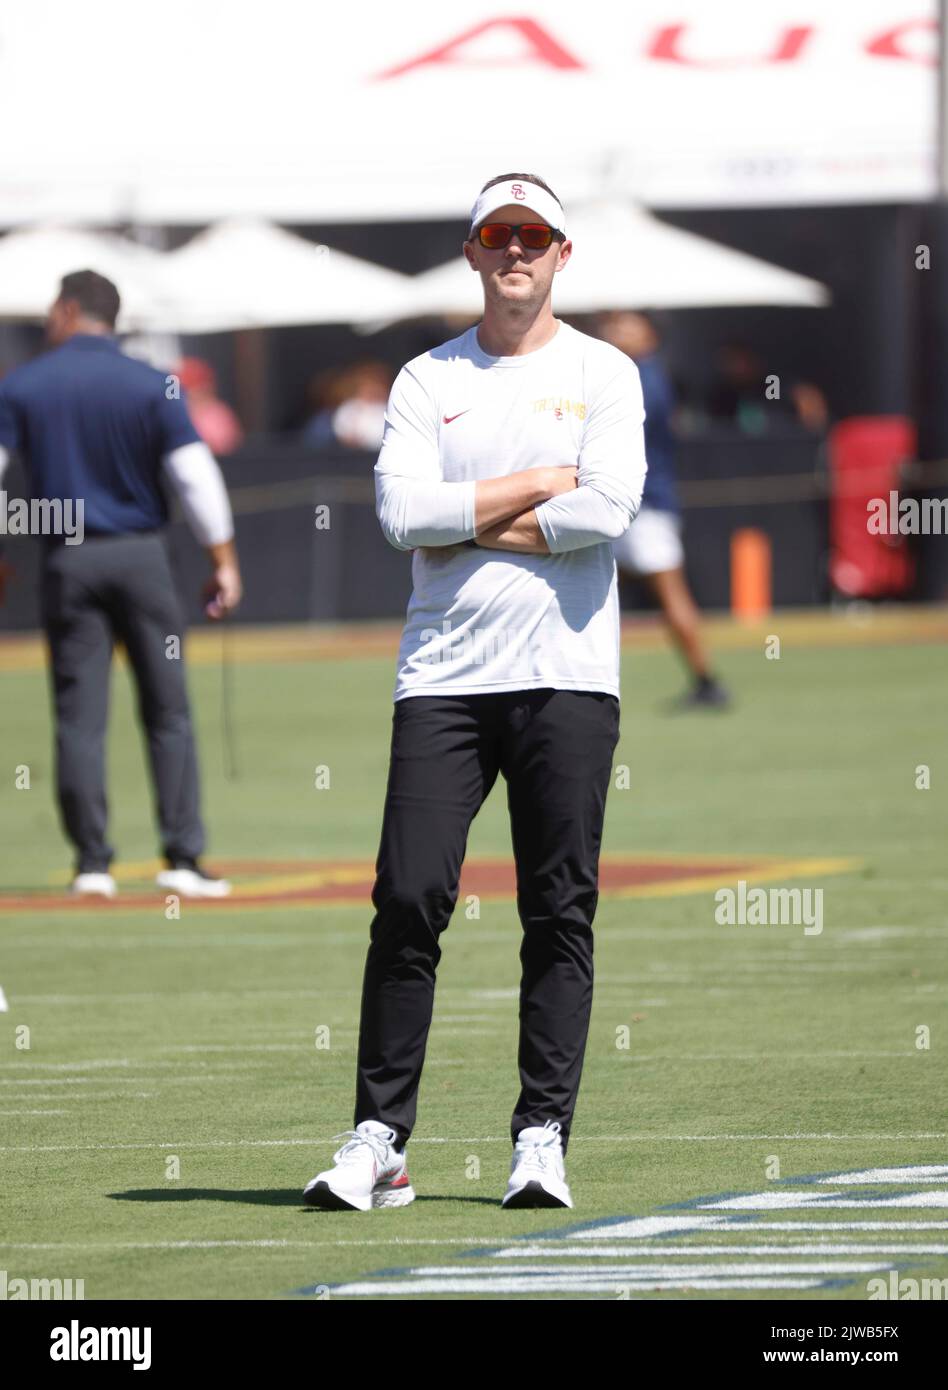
791	868
290	883
134	872
675	856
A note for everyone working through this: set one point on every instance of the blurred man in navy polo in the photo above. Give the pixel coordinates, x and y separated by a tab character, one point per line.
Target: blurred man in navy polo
98	432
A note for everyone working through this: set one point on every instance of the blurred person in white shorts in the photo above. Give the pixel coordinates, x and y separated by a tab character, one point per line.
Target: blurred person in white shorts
651	549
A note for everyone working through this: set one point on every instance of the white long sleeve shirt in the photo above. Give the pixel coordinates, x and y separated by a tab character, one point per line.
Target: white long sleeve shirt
195	475
484	620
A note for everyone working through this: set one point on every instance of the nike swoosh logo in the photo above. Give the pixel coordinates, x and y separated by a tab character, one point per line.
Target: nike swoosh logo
448	418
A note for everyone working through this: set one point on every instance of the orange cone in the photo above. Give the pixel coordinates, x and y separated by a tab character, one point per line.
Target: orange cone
751	568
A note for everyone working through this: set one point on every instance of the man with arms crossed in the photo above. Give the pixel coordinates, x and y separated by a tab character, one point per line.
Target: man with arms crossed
512	456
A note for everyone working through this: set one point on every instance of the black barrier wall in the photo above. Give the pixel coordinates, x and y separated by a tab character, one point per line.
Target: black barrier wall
298	568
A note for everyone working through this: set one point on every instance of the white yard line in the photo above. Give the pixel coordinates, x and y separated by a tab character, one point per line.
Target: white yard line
568	1284
34	1112
552	1249
488	1139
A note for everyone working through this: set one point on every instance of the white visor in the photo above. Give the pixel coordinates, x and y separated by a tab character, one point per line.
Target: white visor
533	198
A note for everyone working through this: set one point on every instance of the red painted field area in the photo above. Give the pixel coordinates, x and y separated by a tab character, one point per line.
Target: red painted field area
275	883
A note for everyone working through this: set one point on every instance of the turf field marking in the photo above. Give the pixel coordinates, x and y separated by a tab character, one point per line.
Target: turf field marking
117	1080
759	873
92	1246
221	1066
750	1056
488	1139
155	996
768	1201
66	1081
348	883
34	1112
305	1042
645	1227
608	1253
817	1247
849	934
72	1066
215	1048
792	1226
551	1283
923	1172
681	1273
660	972
90	1095
546	1249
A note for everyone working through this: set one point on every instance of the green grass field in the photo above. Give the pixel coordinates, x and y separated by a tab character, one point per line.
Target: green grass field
761	1058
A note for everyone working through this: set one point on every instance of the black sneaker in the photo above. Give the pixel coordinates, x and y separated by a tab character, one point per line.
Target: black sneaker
706	693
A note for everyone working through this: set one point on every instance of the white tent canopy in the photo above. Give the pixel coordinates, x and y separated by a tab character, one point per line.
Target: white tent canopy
34	261
250	274
372	112
623	258
235	275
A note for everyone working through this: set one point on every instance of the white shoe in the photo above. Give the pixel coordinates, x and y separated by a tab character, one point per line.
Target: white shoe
537	1171
368	1173
191	881
94	885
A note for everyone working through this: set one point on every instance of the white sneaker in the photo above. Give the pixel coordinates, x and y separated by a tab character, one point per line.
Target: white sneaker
94	885
191	881
368	1173
537	1171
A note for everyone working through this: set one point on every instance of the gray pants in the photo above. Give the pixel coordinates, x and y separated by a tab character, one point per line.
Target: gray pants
108	589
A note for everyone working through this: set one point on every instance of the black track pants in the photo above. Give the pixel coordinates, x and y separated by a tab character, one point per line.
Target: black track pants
554	749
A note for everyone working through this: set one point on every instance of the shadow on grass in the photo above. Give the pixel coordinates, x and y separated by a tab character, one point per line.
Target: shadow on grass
259	1197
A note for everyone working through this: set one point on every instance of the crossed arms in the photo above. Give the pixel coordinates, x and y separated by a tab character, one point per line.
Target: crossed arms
536	511
505	515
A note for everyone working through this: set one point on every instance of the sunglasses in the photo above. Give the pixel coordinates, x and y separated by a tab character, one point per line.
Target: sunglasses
534	235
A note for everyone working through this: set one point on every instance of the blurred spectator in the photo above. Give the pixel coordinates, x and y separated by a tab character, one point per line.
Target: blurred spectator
213	419
811	406
651	549
349	406
743	396
737	392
